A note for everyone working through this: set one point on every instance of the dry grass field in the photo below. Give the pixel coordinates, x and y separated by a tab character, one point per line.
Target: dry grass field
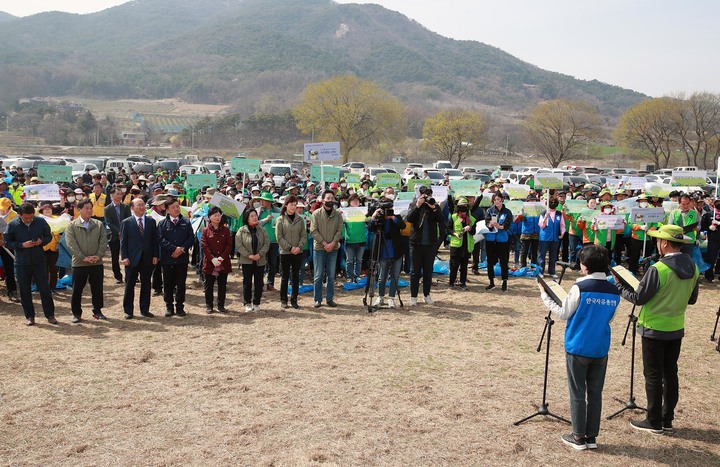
429	385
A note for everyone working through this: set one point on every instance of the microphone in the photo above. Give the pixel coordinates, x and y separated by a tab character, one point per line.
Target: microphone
650	259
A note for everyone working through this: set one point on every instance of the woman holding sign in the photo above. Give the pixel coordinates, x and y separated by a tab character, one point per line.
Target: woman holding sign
498	220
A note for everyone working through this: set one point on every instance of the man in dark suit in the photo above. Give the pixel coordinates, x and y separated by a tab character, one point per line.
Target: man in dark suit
176	238
139	251
115	213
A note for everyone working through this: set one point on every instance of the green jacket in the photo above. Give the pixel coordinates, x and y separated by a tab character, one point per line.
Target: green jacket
456	234
269	225
326	228
676	218
84	242
290	233
243	245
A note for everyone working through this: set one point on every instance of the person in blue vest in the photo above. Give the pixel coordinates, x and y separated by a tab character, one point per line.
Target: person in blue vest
589	308
552	230
529	234
498	220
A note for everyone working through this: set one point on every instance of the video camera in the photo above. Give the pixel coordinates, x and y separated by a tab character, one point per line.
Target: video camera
426	192
386	209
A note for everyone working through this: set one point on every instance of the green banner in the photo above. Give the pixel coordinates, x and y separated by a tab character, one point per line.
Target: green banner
388	179
514	206
197	181
352	179
413	182
466	187
246	166
588	214
405	196
658	190
689	178
534	209
516	191
330	174
54	173
549	180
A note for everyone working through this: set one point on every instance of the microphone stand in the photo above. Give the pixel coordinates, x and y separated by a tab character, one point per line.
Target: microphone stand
543	409
564	265
630	403
712	337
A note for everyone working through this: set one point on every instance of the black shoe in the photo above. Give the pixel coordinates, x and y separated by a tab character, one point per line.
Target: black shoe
119	281
209	309
668	428
157	293
332	304
317	304
283	305
476	272
294	304
169	313
504	286
644	425
52	320
451	286
181	313
99	316
591	442
55	293
463	287
30	322
221	309
76	319
573	442
14	296
128	316
147	314
490	286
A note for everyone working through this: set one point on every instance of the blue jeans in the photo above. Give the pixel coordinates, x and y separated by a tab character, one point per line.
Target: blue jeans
544	248
354	254
585	376
575	240
394	271
324	266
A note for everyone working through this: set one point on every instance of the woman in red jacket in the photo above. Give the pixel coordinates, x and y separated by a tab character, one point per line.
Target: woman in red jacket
216	243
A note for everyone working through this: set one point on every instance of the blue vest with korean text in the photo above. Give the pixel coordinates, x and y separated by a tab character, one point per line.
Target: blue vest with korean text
587	333
551	232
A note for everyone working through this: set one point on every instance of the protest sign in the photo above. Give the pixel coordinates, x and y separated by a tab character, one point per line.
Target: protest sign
54	173
516	191
633	183
466	187
229	206
405	196
352	179
388	179
414	182
647	215
534	209
197	181
45	192
353	214
658	190
245	166
588	214
329	173
515	207
689	178
612	184
313	152
549	180
574	206
610	222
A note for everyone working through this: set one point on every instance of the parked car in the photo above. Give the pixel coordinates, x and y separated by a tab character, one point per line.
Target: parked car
278	172
144	167
454	174
436	177
78	170
442	165
355	167
99	163
213	166
199	169
138	158
168	165
116	166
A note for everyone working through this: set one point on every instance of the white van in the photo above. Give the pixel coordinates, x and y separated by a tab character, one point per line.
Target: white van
116	165
685	169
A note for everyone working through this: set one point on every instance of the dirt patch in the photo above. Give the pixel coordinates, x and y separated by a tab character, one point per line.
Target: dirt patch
427	385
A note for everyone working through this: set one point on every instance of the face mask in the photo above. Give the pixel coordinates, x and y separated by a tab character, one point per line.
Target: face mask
607	210
15	184
553	204
462	208
124	190
256	205
643	205
342	185
391	197
329	204
344	204
70	199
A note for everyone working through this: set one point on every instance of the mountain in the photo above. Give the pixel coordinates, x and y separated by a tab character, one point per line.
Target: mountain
6	17
259	54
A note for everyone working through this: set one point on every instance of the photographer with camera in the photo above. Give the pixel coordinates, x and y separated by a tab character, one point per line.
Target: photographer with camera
388	248
462	242
425	216
498	220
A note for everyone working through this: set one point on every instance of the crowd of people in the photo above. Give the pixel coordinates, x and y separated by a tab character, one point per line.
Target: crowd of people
159	229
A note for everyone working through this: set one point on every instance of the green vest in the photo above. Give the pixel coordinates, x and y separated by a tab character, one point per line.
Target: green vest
270	225
677	219
456	236
666	310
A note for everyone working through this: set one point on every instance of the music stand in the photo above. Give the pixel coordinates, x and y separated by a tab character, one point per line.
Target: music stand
628	280
558	295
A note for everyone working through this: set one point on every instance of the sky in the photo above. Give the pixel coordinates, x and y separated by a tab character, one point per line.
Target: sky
656	47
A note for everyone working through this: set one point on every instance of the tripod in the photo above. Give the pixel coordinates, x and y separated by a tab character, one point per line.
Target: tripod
543	409
712	337
378	241
630	403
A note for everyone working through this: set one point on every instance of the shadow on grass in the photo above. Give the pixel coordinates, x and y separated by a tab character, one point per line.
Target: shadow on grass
670	454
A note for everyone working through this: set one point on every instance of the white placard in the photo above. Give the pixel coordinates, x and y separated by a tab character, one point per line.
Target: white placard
549	180
321	152
229	206
517	191
609	222
353	214
612	183
46	192
402	206
689	177
647	215
634	183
